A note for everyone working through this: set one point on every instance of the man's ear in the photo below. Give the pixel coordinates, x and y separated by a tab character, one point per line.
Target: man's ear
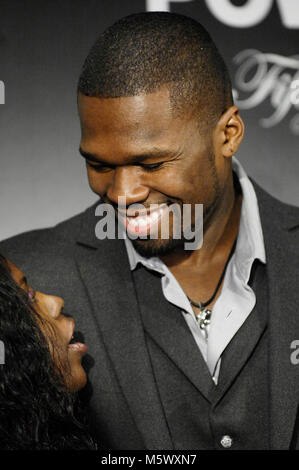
229	131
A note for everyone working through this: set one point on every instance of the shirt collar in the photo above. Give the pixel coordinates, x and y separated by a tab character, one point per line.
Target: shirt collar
250	242
135	258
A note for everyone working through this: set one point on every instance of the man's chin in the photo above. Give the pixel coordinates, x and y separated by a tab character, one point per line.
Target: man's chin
150	247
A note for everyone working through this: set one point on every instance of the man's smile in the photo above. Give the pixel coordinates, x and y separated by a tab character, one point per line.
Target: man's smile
143	222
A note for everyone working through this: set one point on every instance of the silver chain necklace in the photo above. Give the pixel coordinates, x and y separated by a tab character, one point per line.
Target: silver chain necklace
204	316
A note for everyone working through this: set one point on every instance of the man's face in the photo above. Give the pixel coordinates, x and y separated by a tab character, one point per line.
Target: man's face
135	147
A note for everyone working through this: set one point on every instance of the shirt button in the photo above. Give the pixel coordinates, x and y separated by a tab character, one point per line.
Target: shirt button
226	442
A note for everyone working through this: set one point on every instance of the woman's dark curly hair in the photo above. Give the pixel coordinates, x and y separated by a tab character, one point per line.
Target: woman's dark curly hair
36	409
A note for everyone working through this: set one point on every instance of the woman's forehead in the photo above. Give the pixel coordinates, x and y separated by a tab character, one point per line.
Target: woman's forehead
16	273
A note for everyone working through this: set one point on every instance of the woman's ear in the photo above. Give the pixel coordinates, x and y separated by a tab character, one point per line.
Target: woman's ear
229	131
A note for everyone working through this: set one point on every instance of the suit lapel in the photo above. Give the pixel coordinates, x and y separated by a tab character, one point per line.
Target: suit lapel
166	326
106	274
282	256
248	336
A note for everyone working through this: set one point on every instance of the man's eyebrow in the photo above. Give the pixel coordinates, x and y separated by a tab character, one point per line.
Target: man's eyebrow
89	156
154	153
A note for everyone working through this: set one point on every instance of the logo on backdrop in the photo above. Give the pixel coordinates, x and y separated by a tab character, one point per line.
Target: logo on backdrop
250	14
270	78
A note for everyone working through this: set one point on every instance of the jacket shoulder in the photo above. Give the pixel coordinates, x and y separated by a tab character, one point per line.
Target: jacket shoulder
286	216
50	242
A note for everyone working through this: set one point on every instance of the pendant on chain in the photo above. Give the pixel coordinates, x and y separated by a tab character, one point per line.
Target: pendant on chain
204	318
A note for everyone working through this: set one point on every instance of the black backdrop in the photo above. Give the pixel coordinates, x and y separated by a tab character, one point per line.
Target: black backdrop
42	47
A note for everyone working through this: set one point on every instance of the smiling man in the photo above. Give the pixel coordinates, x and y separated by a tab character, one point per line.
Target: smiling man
190	348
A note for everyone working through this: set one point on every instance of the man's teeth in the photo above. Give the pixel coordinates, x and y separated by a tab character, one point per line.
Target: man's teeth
142	221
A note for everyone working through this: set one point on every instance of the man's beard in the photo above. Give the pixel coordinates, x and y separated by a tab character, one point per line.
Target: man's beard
159	247
148	247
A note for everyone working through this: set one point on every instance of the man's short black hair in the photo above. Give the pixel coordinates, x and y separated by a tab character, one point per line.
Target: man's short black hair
146	51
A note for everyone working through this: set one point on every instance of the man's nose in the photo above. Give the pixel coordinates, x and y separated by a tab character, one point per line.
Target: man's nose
127	183
50	304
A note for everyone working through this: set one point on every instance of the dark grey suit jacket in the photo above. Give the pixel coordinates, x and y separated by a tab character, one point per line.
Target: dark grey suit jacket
95	280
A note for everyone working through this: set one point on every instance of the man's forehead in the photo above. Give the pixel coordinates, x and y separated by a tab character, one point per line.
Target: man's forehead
141	118
129	110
